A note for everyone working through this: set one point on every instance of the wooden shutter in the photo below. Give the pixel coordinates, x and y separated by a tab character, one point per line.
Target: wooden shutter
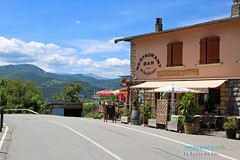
177	54
203	51
169	54
213	50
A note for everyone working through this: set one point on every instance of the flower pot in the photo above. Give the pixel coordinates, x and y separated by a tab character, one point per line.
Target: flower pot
125	119
135	117
191	128
231	133
152	123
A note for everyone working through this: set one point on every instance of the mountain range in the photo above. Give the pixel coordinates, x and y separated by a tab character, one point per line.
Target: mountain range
51	83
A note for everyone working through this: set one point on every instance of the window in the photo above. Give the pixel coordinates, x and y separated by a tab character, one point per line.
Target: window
174	54
209	50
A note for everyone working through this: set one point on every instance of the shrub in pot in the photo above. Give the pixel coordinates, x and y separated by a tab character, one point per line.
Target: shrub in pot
145	112
231	126
188	109
135	113
135	105
125	116
152	122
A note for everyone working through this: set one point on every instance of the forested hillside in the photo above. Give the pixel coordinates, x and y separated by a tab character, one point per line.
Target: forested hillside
51	83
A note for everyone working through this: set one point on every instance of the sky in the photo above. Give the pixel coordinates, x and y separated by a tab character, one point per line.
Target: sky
77	36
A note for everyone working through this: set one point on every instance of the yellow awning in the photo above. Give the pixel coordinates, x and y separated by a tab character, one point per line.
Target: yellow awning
201	85
121	91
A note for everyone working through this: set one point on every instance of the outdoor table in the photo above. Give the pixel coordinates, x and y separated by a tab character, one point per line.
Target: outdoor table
206	120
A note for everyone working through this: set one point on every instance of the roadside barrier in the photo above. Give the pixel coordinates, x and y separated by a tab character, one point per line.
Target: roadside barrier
1	123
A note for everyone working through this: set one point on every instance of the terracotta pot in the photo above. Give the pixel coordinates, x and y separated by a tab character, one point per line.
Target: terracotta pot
191	128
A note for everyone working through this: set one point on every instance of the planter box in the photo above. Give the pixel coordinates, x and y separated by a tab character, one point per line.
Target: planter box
125	119
173	126
152	123
191	128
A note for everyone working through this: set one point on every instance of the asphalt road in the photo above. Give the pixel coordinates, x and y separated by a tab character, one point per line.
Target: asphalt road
44	137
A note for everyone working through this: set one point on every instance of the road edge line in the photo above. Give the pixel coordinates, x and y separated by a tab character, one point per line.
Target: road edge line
3	137
179	142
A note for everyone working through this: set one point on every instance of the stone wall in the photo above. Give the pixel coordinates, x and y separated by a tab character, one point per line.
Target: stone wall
224	97
132	58
233	104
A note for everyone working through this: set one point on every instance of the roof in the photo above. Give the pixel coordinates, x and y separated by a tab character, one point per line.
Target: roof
178	29
202	85
67	105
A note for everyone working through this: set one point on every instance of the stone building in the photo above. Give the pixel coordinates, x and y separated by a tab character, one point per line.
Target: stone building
203	56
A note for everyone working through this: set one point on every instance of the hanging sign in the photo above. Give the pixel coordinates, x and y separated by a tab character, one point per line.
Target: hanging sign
125	82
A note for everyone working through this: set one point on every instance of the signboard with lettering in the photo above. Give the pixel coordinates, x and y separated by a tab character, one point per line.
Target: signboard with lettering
109	113
169	73
148	64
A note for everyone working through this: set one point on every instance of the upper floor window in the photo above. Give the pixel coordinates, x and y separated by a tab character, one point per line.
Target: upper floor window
174	54
209	50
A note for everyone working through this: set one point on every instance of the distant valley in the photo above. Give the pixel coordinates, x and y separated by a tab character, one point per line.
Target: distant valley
51	83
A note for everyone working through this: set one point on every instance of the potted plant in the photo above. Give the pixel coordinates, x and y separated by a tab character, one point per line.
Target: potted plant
145	112
135	105
231	126
188	109
135	113
125	116
152	122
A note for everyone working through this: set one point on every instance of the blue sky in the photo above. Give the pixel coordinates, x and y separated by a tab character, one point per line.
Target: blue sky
76	36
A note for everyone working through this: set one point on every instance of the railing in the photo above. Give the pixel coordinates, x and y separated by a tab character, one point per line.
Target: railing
29	110
1	123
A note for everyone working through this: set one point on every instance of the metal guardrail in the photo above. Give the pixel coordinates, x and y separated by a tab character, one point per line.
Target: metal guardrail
29	110
1	123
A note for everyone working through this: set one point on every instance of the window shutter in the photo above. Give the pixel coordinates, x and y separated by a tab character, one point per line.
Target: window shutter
213	50
177	54
169	54
203	51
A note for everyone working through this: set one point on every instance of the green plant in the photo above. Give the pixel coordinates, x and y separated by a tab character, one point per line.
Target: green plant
231	123
187	107
145	111
98	116
127	113
135	104
153	115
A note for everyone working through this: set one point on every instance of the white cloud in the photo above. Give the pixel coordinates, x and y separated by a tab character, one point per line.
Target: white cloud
95	46
77	21
111	67
112	74
17	51
51	57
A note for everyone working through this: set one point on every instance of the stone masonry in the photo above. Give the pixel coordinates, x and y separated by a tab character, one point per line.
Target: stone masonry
133	58
230	98
233	104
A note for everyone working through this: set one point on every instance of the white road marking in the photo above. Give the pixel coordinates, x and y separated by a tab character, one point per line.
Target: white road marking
169	139
90	140
3	137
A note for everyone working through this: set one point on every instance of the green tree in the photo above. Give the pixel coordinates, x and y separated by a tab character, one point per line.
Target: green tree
16	94
69	94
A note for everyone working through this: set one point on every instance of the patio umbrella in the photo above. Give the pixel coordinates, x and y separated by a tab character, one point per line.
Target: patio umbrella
105	92
174	89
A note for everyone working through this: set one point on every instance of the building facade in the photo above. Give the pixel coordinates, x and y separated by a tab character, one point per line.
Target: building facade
200	52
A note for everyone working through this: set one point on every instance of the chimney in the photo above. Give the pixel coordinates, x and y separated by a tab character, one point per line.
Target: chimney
235	8
158	25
